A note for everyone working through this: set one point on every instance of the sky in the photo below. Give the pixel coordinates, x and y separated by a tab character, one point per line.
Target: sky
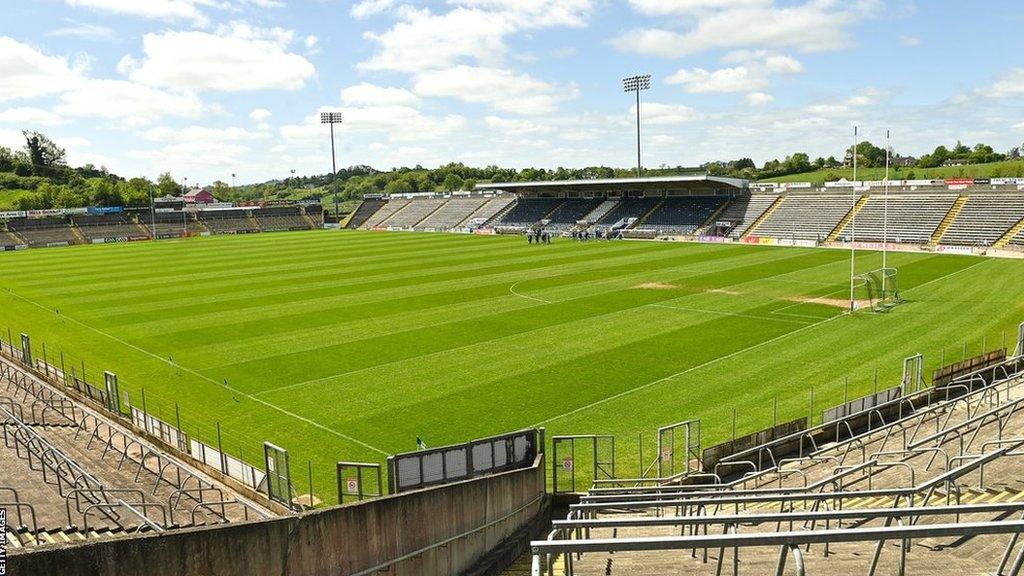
209	88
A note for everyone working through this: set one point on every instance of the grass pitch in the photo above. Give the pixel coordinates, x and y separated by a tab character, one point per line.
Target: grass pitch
349	345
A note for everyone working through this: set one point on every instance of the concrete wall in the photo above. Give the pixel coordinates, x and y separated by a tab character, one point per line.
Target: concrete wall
335	541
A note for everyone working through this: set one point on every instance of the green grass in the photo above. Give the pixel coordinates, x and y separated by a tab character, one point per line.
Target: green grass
348	345
1008	169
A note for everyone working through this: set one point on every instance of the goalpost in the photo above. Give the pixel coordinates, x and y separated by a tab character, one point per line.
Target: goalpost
879	289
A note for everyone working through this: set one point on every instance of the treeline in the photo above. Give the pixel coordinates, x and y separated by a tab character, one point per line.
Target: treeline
868	156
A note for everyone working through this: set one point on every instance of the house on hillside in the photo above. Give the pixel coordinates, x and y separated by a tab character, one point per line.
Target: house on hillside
199	196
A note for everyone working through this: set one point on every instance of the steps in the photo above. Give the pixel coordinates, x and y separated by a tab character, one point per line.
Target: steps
848	218
1010	235
760	219
644	218
601	211
145	230
312	223
421	220
78	235
253	221
393	214
553	210
23	538
954	211
13	237
497	217
711	219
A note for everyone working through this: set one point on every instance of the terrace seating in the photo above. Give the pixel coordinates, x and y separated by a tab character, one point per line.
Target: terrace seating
629	208
489	210
228	221
572	211
43	232
745	211
938	468
366	209
984	219
682	215
108	227
529	211
171	224
414	212
903	219
74	474
453	212
805	217
389	209
281	218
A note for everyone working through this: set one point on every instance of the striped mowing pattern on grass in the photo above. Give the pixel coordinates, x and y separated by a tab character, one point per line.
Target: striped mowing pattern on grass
347	345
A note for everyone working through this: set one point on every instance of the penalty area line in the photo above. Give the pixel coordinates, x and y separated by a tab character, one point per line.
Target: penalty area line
270	405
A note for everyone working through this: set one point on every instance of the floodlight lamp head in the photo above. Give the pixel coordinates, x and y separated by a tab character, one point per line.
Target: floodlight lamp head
636	83
330	118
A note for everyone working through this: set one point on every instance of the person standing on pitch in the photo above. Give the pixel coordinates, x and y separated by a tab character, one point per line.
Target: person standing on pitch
529	236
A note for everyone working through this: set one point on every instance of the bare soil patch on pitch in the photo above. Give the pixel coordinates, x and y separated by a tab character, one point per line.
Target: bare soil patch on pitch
723	291
837	302
656	286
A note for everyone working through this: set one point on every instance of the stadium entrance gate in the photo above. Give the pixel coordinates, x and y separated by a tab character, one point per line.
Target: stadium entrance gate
678	448
279	478
358	481
580	455
913	374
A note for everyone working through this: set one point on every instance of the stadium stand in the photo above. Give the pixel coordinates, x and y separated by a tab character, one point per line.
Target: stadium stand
43	232
602	210
529	211
681	215
385	212
109	227
170	224
629	208
453	212
366	209
911	219
572	211
744	211
70	473
228	221
489	211
804	217
273	219
984	219
414	212
924	482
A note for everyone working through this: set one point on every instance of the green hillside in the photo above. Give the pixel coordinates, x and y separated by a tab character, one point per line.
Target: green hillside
1008	169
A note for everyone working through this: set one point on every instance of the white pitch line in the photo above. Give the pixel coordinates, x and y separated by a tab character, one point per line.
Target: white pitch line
726	357
512	290
735	314
207	378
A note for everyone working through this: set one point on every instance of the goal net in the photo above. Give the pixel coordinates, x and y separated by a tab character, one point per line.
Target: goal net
877	290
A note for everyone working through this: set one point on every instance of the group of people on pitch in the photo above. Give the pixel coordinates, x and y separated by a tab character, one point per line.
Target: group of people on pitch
540	236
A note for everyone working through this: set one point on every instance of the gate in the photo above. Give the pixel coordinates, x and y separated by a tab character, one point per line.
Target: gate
358	481
1020	340
678	448
575	457
113	393
913	374
26	350
279	478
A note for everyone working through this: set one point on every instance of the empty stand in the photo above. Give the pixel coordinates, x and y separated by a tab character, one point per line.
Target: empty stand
572	211
228	221
43	232
451	213
682	215
984	219
414	212
529	211
744	211
282	218
805	217
366	209
385	212
109	227
629	208
902	219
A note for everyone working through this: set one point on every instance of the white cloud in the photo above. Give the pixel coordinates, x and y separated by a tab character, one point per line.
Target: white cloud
367	8
501	88
910	41
260	114
194	133
759	99
399	123
814	26
366	94
685	7
28	73
656	113
311	41
238	57
752	75
127	103
516	125
1011	84
158	9
85	31
29	117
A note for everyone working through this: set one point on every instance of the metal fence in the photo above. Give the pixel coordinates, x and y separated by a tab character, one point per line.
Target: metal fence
447	464
860	404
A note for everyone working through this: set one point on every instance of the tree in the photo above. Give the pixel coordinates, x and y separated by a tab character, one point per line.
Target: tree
68	198
103	193
166	186
452	182
42	151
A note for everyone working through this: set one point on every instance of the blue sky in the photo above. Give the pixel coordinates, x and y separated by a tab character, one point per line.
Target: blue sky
207	88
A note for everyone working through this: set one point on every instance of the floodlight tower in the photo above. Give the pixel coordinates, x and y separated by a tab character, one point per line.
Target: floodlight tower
885	220
853	227
332	118
637	84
